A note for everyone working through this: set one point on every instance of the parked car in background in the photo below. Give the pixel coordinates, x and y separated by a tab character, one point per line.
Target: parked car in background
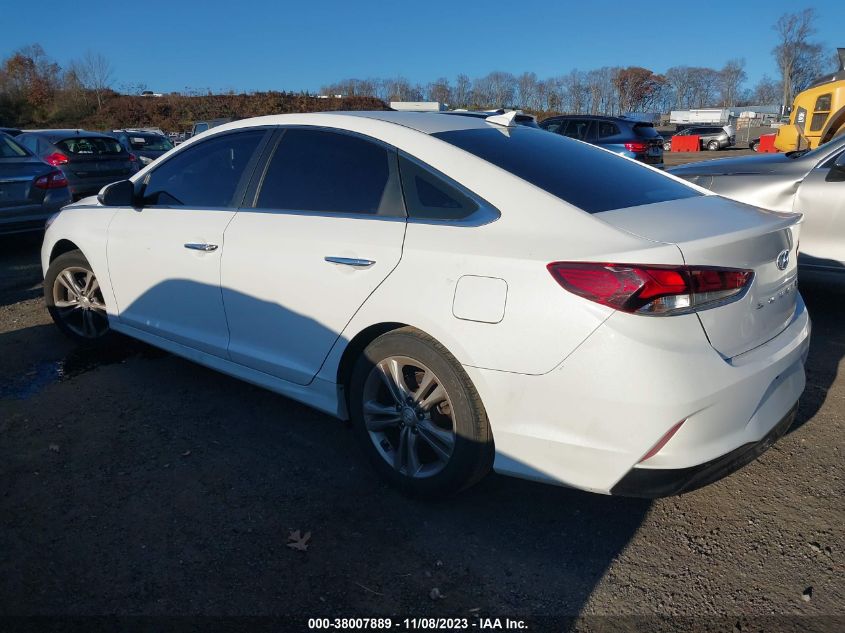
713	137
809	182
89	160
635	139
147	146
201	126
472	293
30	189
11	131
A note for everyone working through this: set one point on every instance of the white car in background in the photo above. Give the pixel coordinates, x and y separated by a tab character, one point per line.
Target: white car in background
470	292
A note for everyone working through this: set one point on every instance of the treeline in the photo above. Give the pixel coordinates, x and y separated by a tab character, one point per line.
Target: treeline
36	92
616	90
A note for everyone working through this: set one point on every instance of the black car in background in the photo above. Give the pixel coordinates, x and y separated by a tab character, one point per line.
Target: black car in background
30	189
629	137
89	160
146	145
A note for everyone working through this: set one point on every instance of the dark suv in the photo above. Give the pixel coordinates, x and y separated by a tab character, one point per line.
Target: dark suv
628	137
713	137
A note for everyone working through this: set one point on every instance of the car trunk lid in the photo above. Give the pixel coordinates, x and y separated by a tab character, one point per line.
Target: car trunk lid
17	179
713	231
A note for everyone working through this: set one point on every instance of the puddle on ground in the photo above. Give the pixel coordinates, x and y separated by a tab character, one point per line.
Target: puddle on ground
80	361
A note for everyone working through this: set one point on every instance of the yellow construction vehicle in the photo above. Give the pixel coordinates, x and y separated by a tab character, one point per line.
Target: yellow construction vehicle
818	113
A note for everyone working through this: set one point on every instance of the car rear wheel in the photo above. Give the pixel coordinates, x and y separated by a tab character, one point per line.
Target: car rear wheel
418	416
713	146
755	146
667	146
75	300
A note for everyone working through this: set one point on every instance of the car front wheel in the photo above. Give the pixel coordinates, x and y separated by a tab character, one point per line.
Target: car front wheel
75	300
418	416
713	146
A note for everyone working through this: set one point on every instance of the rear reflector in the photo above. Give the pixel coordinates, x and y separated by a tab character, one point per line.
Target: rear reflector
662	442
652	290
53	180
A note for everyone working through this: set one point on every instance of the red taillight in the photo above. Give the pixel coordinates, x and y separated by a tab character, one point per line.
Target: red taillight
653	290
133	158
637	146
55	159
53	180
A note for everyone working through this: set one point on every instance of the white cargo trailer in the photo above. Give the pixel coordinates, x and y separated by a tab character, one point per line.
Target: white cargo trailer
701	115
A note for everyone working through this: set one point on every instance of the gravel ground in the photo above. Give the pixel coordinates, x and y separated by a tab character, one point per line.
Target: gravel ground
135	482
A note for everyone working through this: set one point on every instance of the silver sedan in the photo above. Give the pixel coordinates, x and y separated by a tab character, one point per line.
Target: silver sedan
810	182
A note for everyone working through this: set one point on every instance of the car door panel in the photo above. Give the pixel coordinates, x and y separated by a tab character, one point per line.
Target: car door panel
285	303
164	257
822	201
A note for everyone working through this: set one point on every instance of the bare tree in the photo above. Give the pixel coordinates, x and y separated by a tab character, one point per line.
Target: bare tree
794	52
768	91
526	85
440	90
462	93
731	78
95	73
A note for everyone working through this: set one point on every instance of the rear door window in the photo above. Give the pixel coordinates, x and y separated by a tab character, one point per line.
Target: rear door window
324	171
583	175
581	129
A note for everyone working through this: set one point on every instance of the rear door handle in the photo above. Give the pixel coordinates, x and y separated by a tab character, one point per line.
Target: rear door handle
349	261
206	248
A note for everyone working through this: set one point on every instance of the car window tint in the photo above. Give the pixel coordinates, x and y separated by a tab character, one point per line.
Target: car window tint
10	149
552	126
318	170
204	175
583	175
606	128
430	196
579	129
29	142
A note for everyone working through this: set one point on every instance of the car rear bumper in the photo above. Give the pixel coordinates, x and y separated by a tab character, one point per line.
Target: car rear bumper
652	483
23	220
589	422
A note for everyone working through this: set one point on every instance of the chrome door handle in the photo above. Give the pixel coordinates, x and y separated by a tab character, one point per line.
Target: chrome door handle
348	261
206	248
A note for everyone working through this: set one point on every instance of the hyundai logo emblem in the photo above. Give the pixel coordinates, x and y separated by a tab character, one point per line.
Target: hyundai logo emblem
783	260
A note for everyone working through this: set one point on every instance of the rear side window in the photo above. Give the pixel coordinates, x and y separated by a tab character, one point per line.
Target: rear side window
93	146
552	126
584	176
10	149
606	129
149	142
318	170
581	129
207	174
430	196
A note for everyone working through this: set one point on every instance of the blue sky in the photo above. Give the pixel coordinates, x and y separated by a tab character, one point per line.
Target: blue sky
261	45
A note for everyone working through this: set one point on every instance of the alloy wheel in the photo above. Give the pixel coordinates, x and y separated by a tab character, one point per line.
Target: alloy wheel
79	304
409	417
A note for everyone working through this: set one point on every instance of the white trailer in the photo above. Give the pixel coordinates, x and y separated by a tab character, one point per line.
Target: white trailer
701	115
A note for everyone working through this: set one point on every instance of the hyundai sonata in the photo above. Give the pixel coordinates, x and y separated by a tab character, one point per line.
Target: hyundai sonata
471	293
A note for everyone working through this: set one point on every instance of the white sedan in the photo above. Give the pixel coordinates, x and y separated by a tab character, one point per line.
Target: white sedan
472	294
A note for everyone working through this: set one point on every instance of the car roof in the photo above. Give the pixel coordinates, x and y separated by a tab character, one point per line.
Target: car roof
601	117
60	135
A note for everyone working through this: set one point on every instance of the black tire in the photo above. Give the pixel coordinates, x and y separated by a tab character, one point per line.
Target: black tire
754	146
471	457
713	146
73	322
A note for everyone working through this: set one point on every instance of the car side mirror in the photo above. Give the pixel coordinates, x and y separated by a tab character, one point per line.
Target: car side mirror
118	194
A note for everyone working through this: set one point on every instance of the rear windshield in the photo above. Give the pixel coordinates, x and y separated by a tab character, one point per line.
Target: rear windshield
645	130
90	146
149	142
10	149
589	178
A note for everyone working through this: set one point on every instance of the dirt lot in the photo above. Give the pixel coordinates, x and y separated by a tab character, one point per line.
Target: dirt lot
135	482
